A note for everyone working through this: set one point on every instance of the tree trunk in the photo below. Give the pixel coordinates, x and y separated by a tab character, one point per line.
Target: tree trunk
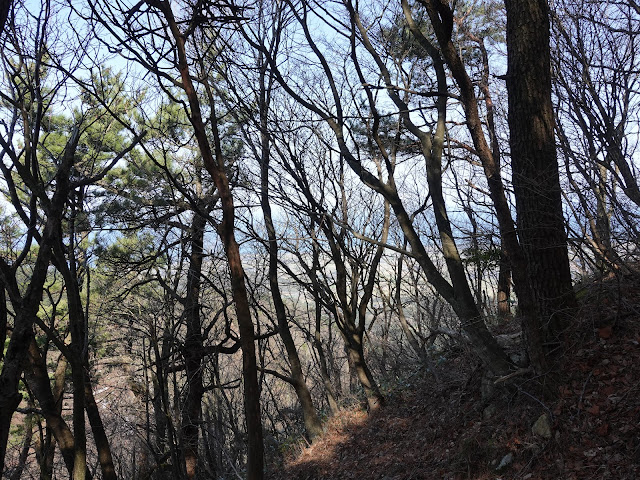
534	165
3	319
215	165
442	20
193	351
17	352
5	7
16	474
504	286
312	423
99	435
322	359
37	378
375	399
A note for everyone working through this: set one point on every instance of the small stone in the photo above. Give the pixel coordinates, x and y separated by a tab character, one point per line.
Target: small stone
542	427
505	462
489	411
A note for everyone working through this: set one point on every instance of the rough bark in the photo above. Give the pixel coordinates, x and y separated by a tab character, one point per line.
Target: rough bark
534	165
442	20
355	351
193	351
37	378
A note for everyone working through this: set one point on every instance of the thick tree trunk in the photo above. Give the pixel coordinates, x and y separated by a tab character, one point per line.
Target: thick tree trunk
375	399
37	379
193	352
534	165
442	20
5	7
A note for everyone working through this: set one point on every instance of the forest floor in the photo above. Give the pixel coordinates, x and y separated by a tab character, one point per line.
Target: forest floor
447	431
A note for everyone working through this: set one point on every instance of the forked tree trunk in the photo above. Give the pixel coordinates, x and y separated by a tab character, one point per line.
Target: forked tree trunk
374	397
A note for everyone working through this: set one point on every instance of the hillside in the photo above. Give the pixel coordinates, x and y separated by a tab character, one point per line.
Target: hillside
445	431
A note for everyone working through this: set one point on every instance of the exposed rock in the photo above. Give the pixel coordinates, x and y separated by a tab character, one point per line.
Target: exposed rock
489	411
542	427
505	462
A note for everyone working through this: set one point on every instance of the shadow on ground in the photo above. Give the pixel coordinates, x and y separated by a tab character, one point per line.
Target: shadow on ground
428	431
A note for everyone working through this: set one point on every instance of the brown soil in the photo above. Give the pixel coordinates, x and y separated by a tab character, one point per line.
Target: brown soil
446	431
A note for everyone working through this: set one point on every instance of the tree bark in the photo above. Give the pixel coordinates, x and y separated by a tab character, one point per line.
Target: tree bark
5	7
193	351
332	397
37	378
214	164
26	307
442	20
3	318
536	180
16	474
99	434
504	287
312	423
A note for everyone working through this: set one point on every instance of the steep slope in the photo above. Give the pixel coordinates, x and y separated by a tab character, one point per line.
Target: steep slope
446	431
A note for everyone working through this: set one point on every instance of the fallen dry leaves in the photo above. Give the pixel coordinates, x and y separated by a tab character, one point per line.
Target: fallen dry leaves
439	432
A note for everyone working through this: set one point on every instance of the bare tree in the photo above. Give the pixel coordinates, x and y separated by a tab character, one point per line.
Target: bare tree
594	60
456	293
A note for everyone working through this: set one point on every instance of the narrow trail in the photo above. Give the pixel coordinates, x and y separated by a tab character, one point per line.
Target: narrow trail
447	432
